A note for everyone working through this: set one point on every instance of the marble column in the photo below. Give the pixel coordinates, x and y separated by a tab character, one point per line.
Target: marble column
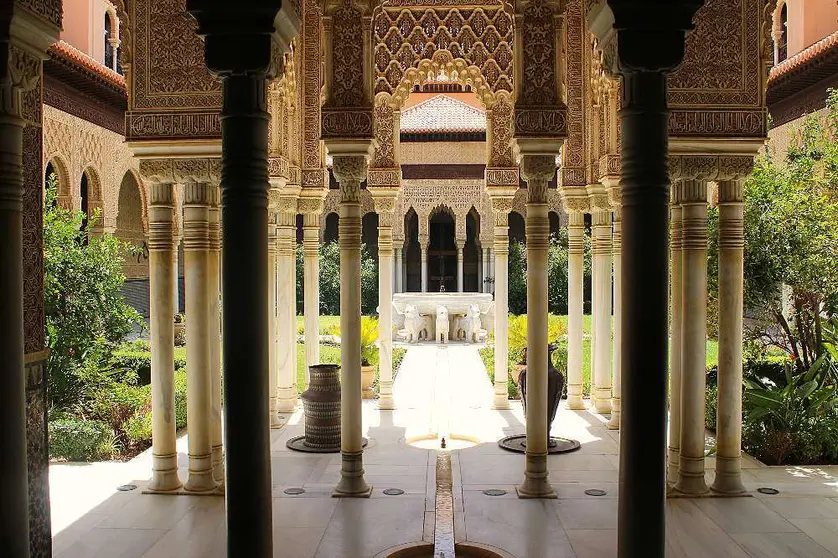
286	306
424	246
601	368
311	292
14	481
161	291
239	51
617	386
399	271
694	341
176	266
575	308
728	479
273	328
651	40
461	244
350	171
537	171
676	328
501	249
196	201
484	272
384	206
214	327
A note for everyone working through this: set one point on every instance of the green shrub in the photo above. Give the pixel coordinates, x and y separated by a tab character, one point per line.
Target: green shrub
794	423
128	358
180	398
80	440
118	403
710	402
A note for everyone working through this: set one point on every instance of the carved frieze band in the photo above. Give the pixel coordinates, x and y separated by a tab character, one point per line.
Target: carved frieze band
346	123
538	122
716	123
710	167
194	125
502	177
391	177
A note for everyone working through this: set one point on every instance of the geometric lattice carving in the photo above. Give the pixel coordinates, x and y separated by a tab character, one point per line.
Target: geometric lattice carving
480	36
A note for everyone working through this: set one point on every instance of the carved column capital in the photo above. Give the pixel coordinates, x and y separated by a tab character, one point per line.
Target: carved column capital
350	171
537	170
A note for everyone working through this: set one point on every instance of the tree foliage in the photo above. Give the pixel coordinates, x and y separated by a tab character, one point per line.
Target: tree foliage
791	239
330	280
86	314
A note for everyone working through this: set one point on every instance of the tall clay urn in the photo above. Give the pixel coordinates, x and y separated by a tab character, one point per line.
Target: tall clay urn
321	405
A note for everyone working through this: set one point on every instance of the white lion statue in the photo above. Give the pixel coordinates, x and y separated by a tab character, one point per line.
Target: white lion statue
442	324
412	331
474	333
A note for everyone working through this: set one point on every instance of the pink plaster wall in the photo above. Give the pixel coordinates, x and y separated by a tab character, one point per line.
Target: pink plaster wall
84	26
810	21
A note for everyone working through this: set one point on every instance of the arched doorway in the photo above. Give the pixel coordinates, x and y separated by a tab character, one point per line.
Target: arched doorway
472	257
412	253
442	252
330	231
130	229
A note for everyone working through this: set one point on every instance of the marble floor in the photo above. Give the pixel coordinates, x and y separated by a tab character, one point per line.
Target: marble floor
91	518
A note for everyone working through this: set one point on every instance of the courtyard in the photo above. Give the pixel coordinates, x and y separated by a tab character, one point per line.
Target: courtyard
92	519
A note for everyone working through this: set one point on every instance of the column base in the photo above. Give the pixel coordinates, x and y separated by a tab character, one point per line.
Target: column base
200	483
218	464
352	483
501	400
691	484
728	482
575	403
164	474
673	469
614	421
287	402
536	479
602	405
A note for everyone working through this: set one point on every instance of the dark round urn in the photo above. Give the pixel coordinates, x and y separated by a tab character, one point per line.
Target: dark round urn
321	405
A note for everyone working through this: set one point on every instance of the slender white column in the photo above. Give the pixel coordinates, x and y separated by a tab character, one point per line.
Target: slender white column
491	286
214	326
616	388
424	265
677	301
286	308
575	295
501	248
176	269
484	272
161	248
537	171
350	171
196	201
728	478
273	325
602	312
384	206
399	271
694	341
460	246
311	292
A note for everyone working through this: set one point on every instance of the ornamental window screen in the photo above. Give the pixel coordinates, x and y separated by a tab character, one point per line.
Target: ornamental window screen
482	37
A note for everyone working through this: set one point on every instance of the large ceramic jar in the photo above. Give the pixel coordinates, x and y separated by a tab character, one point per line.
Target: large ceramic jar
321	405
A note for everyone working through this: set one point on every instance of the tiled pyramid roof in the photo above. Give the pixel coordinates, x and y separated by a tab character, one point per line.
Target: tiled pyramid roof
442	113
83	60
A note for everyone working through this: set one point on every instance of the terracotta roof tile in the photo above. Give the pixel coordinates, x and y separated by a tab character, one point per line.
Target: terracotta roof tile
69	52
806	55
442	113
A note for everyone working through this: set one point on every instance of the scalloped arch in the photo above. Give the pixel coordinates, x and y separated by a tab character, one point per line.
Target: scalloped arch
456	68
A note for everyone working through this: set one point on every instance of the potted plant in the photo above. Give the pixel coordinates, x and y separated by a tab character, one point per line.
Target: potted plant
369	355
180	329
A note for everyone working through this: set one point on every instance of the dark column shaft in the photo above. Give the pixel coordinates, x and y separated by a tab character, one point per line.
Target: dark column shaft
645	197
244	197
14	502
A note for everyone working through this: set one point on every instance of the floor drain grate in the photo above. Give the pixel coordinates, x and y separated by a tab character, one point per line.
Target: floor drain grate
768	490
294	491
494	492
394	492
595	492
126	487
